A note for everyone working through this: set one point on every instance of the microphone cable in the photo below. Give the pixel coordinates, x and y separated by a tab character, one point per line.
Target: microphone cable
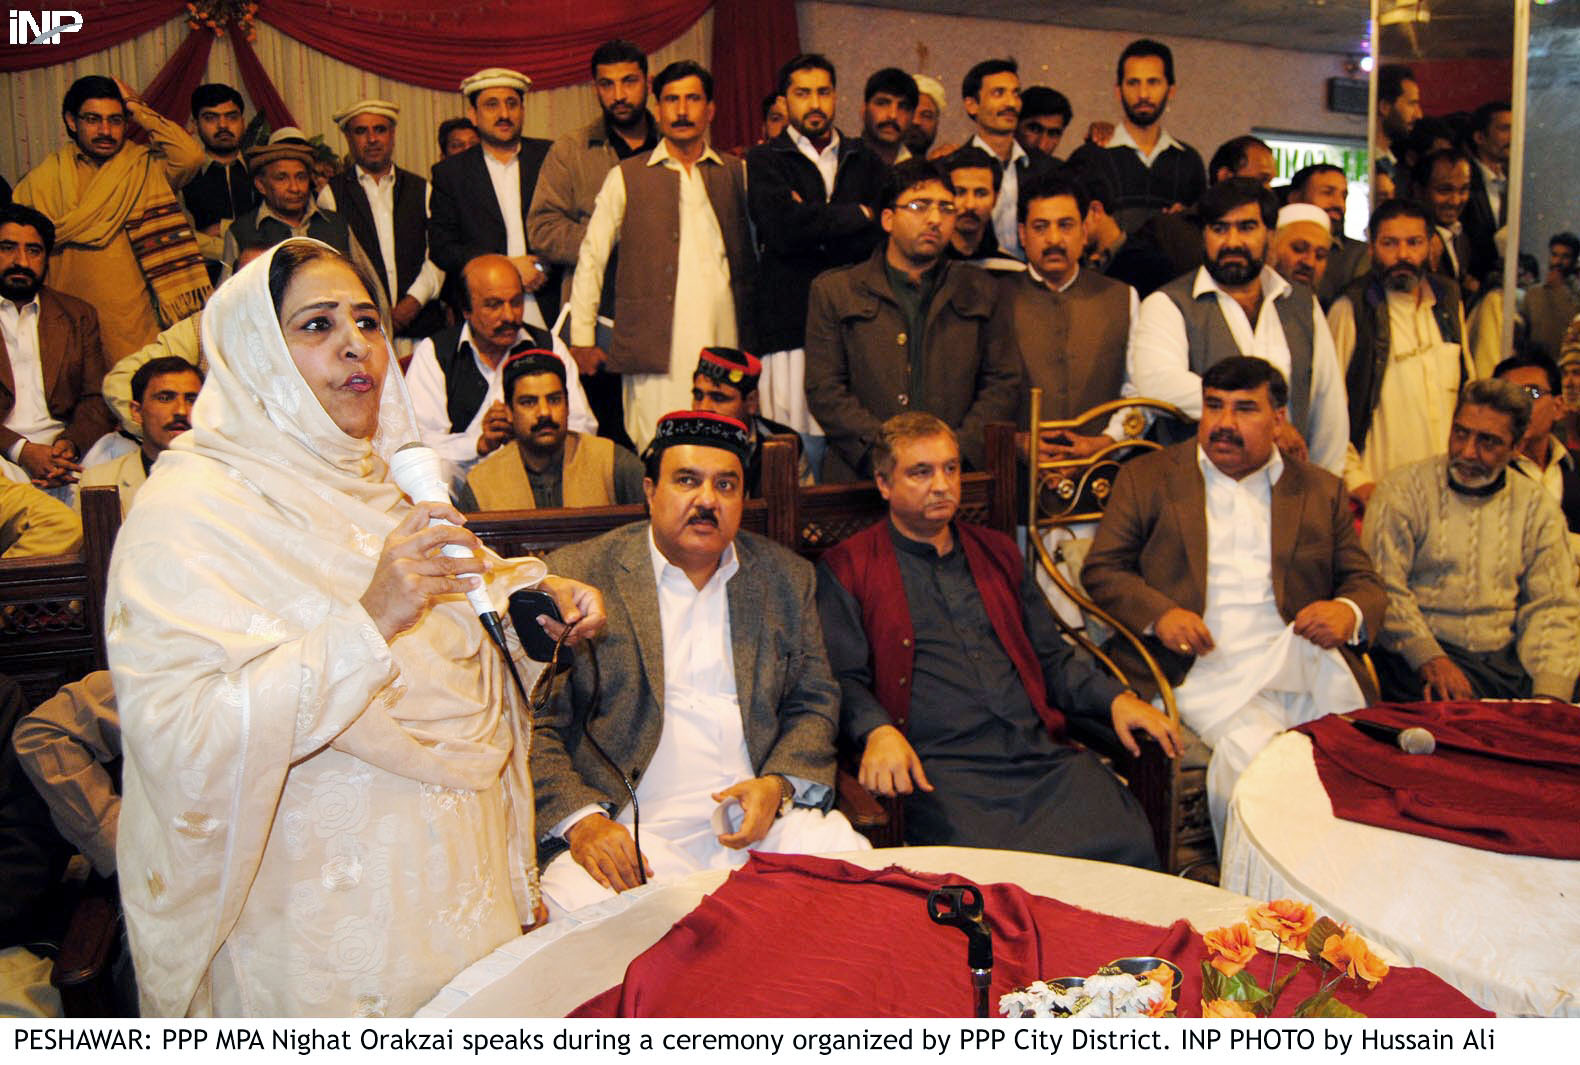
538	701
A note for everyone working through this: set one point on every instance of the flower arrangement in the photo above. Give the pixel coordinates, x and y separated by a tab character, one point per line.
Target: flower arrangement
1228	990
216	15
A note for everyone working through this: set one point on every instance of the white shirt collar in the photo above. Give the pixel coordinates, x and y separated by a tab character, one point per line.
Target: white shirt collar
661	155
1032	270
19	309
1016	152
1123	139
312	209
1270	471
1273	284
804	142
662	567
364	176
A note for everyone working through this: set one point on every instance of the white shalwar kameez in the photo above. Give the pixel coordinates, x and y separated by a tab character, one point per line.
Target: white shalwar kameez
1260	678
701	751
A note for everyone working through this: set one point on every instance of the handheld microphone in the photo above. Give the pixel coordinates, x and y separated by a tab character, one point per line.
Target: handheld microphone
416	470
1413	740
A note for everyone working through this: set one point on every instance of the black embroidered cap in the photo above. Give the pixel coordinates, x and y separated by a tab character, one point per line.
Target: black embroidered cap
703	428
731	366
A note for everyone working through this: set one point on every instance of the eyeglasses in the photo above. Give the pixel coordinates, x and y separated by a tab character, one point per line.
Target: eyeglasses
921	208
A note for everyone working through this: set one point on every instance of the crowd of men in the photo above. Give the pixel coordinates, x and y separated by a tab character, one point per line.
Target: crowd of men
1368	466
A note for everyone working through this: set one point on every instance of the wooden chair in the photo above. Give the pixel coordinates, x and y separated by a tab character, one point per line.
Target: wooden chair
1064	493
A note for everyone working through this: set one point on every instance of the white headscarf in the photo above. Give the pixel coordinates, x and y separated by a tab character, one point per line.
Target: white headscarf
239	645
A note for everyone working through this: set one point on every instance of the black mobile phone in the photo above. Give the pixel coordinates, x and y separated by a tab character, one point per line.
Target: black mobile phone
526	604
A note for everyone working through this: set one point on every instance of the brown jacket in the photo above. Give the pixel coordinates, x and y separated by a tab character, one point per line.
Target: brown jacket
74	364
1070	344
857	374
1150	554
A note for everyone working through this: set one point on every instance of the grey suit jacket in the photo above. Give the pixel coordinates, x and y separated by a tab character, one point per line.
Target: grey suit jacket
789	701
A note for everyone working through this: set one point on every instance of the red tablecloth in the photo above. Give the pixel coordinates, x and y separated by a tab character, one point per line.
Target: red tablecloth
1505	776
794	936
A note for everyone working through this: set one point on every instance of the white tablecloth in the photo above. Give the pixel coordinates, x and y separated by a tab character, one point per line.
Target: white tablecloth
1502	928
550	972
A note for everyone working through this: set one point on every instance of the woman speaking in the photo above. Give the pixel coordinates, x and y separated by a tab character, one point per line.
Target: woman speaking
326	802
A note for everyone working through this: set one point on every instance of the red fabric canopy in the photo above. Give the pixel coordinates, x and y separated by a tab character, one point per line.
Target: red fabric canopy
436	44
824	938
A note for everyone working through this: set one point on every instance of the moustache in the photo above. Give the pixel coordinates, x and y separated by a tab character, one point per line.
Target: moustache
704	516
814	113
895	126
21	271
545	423
682	123
507	329
1226	436
179	425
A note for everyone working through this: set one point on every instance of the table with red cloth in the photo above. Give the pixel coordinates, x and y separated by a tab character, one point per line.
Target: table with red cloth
1465	861
811	937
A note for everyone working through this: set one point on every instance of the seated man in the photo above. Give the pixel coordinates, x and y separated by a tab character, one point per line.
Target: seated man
34	524
550	466
953	675
454	375
70	748
164	390
715	689
726	383
1242	569
1481	585
1541	456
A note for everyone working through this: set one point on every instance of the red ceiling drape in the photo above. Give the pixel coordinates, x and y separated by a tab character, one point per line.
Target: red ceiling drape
751	40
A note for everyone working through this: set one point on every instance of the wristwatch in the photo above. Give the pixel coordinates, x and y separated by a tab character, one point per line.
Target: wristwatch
786	795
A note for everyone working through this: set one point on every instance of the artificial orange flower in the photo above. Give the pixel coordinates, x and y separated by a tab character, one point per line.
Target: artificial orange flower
1226	1009
1285	918
1232	948
1161	975
1350	953
1163	1007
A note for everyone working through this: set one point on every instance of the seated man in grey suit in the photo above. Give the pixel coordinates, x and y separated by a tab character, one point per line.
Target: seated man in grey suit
716	695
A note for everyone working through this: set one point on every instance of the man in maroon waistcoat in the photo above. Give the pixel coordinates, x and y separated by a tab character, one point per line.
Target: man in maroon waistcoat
953	675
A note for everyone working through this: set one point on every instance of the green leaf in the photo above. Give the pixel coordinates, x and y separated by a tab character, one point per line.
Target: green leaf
1330	1007
1242	987
1317	938
1277	990
1211	982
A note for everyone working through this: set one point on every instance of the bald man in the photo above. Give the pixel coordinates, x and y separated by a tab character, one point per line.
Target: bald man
454	376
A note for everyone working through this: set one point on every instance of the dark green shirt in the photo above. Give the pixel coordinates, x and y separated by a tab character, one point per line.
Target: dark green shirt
915	299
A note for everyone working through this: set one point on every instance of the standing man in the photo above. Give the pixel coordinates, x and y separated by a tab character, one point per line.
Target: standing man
888	107
906	330
1398	333
1551	307
121	240
222	190
1243	156
551	465
977	179
1233	304
1481	584
163	391
387	209
1442	180
715	689
931	102
1398	110
1069	327
1324	185
1147	168
481	196
456	135
454	375
1044	116
1301	245
991	91
814	197
1542	457
684	280
1242	569
568	184
282	172
51	361
1491	135
726	383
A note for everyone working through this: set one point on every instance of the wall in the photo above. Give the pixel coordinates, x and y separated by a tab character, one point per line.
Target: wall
1223	89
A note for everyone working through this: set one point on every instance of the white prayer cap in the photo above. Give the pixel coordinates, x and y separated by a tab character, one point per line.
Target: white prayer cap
387	108
931	86
1295	213
495	78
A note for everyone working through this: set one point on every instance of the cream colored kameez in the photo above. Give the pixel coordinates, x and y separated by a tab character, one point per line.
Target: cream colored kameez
314	821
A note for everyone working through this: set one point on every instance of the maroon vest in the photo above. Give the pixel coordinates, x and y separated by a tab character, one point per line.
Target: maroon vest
867	566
